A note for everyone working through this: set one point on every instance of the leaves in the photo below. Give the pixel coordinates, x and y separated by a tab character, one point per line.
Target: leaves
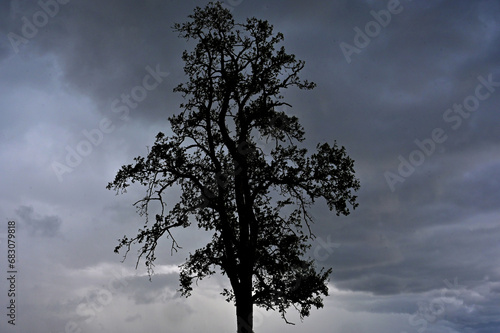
255	204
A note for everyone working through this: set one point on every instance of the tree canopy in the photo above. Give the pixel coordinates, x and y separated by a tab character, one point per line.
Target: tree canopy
244	176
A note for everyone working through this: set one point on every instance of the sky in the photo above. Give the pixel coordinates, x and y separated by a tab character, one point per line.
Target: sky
410	88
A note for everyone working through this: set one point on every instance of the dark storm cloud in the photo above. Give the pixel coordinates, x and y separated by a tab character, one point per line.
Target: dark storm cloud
38	225
104	47
407	76
394	253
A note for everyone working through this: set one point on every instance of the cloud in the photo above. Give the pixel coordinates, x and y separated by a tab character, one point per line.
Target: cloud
390	257
37	225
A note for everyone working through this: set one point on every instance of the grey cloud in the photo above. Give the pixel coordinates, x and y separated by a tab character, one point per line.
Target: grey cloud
37	225
393	253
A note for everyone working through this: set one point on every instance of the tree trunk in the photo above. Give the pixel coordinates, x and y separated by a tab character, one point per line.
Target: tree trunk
244	313
244	304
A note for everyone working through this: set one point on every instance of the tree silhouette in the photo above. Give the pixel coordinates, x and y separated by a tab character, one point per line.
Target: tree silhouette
254	203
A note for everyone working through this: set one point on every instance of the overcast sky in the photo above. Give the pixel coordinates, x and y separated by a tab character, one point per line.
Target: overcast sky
410	88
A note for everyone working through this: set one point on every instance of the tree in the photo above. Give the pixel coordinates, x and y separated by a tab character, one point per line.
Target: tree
254	203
